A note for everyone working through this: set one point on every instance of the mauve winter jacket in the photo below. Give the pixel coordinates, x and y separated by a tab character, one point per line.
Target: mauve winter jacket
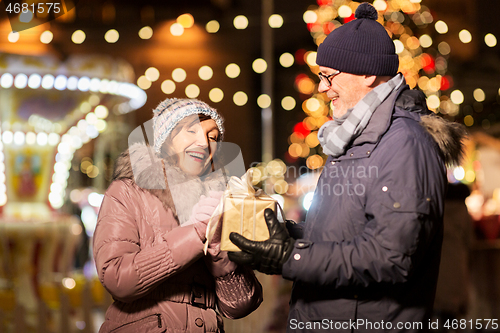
368	258
154	268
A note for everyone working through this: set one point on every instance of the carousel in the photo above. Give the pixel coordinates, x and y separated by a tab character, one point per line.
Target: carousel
49	109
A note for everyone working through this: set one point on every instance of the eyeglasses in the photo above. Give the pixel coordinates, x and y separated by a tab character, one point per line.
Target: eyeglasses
327	79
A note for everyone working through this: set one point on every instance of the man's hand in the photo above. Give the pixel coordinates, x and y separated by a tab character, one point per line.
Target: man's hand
267	256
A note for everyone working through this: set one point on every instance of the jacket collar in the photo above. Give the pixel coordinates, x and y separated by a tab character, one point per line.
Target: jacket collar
379	123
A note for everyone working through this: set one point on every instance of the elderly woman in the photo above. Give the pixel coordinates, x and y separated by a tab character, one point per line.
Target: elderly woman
148	244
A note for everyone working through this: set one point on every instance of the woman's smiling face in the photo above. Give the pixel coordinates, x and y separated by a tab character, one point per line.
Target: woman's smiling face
193	144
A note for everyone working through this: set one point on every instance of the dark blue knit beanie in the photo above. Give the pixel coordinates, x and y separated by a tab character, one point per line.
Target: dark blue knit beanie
361	46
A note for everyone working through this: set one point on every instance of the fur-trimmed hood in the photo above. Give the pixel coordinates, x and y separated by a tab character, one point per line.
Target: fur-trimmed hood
448	135
174	188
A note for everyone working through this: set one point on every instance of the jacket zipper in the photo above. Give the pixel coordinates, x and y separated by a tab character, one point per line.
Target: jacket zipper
159	320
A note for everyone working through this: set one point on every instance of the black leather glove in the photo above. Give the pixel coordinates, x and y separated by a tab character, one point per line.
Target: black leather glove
267	256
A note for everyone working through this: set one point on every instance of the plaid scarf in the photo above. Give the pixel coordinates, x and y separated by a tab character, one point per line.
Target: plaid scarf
336	134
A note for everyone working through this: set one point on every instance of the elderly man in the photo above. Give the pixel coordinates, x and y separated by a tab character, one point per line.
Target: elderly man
367	258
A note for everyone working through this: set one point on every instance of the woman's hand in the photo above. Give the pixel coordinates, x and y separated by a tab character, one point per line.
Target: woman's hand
217	261
202	212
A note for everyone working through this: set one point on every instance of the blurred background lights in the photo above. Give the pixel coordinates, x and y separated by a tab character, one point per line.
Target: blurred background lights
275	21
26	17
205	73
212	26
143	82
311	58
112	36
21	81
425	40
192	90
490	40
83	83
441	27
176	29
42	139
307	200
259	65
457	97
34	81
168	87
444	48
101	111
479	95
233	71
264	101
7	137
31	138
186	20
459	173
310	17
13	36
179	75
240	22
286	60
48	81
380	5
19	138
46	37
153	74
240	98
78	37
399	46
465	36
216	95
146	32
60	82
345	11
433	102
288	103
468	120
7	80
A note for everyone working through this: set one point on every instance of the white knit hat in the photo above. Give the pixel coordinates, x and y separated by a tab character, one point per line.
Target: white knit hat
172	110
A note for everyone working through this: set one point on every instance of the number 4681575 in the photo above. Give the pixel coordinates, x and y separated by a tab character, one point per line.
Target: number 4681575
38	8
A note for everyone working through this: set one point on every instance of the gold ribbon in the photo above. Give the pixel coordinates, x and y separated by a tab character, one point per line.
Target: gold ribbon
239	188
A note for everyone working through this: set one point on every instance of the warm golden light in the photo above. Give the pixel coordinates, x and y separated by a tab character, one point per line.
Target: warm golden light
112	36
192	91
205	73
46	37
345	11
286	59
259	65
465	36
310	16
146	32
176	29
240	22
168	87
179	75
457	97
288	103
240	98
78	37
216	95
212	26
479	95
275	21
186	20
143	82
441	27
233	71
153	74
13	37
264	101
490	40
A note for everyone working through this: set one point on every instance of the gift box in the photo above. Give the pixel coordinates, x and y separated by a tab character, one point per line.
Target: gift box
245	216
242	209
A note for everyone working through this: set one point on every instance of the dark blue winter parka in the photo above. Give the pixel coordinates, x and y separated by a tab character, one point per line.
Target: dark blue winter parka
369	255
